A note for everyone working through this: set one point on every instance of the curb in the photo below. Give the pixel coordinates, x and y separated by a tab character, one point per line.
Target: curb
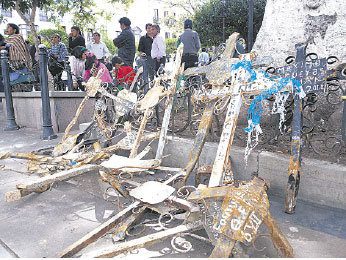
321	182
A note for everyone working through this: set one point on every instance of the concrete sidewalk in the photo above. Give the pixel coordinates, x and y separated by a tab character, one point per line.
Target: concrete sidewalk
43	225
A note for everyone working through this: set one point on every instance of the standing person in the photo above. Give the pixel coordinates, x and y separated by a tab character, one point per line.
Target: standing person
75	38
192	45
144	46
56	64
126	42
203	58
98	48
158	49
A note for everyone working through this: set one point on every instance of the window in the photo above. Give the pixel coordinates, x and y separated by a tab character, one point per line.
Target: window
156	15
25	30
167	35
165	13
6	13
43	15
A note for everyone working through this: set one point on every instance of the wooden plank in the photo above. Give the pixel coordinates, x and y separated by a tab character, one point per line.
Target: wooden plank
98	232
148	240
203	130
120	233
169	169
134	164
167	115
223	151
39	185
135	147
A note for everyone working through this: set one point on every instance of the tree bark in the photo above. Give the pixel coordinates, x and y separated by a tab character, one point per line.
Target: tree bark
31	21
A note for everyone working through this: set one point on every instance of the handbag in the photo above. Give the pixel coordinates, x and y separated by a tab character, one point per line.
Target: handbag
54	66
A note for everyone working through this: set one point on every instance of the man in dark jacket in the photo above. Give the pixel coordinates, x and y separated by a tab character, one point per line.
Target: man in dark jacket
75	38
144	46
126	42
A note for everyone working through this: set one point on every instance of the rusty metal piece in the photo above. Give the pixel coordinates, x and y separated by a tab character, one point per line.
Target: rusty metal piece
200	138
203	170
235	213
65	145
144	241
98	232
37	186
219	71
278	238
223	248
120	232
295	158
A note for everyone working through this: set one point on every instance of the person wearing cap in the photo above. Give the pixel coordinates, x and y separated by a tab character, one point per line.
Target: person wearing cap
126	42
98	47
158	49
75	38
192	44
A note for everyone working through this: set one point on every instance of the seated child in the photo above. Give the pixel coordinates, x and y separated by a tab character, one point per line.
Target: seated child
92	66
123	74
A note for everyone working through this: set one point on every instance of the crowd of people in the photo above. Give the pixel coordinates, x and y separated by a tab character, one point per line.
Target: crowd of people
86	60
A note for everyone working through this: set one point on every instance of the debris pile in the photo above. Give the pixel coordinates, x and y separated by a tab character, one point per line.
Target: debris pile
230	211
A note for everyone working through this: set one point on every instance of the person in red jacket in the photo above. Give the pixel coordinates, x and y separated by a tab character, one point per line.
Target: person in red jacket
124	74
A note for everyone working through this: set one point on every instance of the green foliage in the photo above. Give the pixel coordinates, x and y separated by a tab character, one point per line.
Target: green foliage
171	46
208	19
47	35
175	20
110	45
24	5
84	13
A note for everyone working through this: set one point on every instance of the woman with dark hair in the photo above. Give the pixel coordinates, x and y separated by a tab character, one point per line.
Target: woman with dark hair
56	65
19	57
75	39
77	62
93	66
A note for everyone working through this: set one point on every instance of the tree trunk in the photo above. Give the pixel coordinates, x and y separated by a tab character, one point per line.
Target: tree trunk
31	21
